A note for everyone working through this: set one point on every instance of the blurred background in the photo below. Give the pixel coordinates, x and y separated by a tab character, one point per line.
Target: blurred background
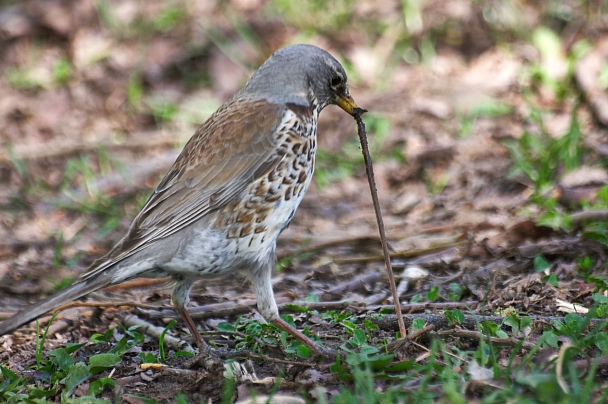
99	96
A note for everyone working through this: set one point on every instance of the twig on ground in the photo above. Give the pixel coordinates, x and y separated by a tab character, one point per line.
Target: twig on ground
343	288
155	332
586	363
227	309
396	345
401	254
326	244
478	336
589	216
276	360
388	322
5	315
411	307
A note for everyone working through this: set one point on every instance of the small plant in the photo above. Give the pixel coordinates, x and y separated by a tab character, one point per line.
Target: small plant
454	317
433	294
542	158
541	265
62	71
161	341
491	108
63	370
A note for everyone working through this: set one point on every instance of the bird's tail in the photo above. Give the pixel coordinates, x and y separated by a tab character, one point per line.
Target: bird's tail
76	290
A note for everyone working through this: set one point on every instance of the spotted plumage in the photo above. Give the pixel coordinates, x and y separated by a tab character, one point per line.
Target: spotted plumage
232	190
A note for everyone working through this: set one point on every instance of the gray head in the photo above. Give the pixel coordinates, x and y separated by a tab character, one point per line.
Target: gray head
301	74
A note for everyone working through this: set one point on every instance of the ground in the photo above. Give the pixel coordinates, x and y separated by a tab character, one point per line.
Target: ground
487	127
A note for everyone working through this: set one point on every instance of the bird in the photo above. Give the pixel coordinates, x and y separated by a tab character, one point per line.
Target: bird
230	193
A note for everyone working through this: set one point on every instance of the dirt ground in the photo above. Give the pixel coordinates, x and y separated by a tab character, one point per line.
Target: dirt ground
98	98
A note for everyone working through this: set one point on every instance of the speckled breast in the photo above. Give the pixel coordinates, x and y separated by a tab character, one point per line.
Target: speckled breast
267	206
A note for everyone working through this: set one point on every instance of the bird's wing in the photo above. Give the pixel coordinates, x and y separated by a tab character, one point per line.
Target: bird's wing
237	145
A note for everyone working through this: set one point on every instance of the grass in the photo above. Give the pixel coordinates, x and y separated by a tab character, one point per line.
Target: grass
543	159
499	373
61	371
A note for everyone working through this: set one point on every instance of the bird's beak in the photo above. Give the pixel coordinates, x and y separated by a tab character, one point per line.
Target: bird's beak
346	102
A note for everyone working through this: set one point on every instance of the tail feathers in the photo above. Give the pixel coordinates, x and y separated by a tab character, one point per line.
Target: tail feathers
73	292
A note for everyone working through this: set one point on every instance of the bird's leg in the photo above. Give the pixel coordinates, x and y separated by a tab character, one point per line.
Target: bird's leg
179	300
203	347
206	356
267	306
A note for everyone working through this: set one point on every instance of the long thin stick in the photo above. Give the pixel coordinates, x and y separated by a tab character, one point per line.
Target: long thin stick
372	186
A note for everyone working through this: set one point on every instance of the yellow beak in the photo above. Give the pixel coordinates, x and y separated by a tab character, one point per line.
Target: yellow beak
347	103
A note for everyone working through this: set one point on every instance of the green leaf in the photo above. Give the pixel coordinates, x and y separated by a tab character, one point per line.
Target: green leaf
575	322
534	380
601	341
97	387
585	263
140	399
350	327
380	362
551	280
599	298
369	326
359	337
501	334
61	358
225	326
10	382
433	294
454	316
303	351
104	360
77	374
547	42
598	235
418	324
289	320
311	298
555	221
147	357
456	292
513	322
602	194
253	328
402	366
296	308
161	340
541	264
181	399
102	338
185	354
489	328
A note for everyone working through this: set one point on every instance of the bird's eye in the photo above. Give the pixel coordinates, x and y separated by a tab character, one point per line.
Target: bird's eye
336	81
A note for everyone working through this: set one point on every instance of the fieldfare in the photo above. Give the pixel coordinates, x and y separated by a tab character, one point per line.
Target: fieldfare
232	190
